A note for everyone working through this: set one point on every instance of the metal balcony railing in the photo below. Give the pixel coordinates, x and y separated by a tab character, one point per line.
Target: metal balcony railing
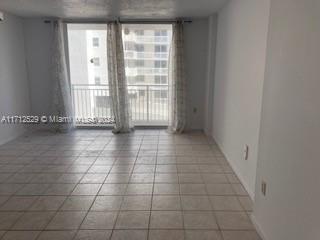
147	71
147	39
149	103
146	55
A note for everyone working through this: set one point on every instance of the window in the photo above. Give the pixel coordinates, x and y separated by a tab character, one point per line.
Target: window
140	79
160	48
161	36
142	93
131	80
160	79
139	63
132	63
159	33
164	94
139	48
135	79
95	42
129	46
146	48
95	61
139	32
160	64
97	80
160	94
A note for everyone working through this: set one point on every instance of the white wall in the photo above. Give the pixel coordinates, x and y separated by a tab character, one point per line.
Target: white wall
196	53
239	75
290	124
14	93
38	43
38	38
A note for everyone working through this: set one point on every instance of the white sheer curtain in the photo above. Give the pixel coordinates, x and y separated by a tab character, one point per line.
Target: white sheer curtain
117	79
62	101
177	81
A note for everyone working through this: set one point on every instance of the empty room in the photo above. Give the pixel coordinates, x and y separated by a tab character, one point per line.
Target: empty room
159	120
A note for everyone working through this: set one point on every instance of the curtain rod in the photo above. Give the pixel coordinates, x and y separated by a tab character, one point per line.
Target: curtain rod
123	21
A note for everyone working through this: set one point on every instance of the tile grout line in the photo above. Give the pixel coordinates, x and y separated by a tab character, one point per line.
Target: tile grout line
127	184
154	178
213	210
70	194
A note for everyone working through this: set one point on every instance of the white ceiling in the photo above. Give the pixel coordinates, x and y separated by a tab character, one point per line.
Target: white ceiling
99	9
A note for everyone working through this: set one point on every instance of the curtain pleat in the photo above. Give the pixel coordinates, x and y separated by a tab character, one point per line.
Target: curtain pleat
61	101
117	80
177	81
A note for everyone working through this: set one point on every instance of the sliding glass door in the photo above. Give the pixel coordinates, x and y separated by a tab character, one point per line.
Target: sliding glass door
146	49
88	72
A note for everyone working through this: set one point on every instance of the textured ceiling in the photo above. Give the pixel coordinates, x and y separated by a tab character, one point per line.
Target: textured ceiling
99	9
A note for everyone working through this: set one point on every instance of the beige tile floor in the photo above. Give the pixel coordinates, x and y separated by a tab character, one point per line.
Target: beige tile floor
91	184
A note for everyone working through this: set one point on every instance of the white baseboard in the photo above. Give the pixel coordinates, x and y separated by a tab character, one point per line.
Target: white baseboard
235	170
241	178
14	136
251	194
257	226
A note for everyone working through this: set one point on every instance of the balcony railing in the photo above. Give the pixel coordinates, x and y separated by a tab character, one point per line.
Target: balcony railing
145	55
147	39
146	71
149	103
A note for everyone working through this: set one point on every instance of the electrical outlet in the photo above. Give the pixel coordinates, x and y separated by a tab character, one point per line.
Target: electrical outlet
264	188
246	152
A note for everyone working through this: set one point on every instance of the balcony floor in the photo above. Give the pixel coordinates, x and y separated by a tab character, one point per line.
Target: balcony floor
91	184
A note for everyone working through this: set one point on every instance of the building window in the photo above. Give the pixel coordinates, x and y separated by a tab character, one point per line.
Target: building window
159	33
164	94
139	63
160	79
97	80
129	46
139	32
142	93
160	64
160	48
132	80
140	79
95	42
130	63
139	48
95	61
160	94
